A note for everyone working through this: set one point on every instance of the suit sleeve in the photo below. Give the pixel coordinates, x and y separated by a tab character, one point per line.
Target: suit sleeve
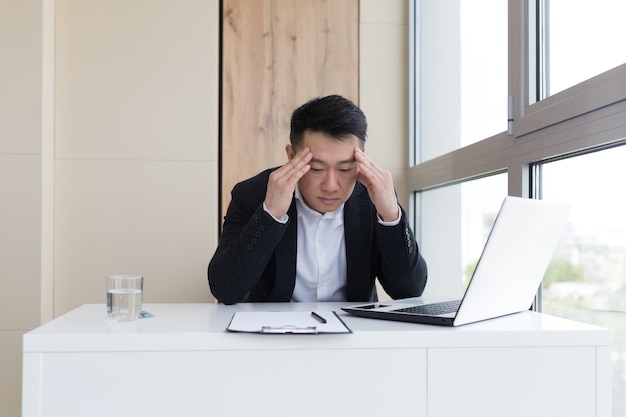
246	245
402	269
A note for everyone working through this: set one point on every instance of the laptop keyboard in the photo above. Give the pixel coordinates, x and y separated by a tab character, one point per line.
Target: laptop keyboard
433	309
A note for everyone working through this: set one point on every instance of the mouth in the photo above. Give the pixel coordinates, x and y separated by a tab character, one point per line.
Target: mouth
328	200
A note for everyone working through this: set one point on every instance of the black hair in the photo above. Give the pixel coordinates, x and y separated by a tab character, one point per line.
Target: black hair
332	115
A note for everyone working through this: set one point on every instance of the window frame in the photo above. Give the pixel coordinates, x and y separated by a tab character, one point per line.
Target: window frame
585	116
525	52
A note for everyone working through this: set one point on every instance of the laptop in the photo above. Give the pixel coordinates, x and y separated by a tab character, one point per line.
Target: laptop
507	276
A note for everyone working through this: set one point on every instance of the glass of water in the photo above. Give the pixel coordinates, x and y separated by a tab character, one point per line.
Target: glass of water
124	296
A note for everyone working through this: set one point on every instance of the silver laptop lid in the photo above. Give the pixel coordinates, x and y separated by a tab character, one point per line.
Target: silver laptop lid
514	259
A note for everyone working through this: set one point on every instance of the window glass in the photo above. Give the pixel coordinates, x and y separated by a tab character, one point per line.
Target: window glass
586	280
455	223
584	39
461	70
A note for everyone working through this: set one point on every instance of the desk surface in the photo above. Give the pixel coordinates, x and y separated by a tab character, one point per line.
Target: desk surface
203	327
184	362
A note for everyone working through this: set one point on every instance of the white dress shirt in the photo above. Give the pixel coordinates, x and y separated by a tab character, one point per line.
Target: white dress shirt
321	269
321	257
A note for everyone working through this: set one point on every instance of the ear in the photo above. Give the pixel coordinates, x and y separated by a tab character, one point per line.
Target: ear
290	152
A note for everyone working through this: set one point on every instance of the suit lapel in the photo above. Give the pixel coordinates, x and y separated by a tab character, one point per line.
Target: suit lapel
358	235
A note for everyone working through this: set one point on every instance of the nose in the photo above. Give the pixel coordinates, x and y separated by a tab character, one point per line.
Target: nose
330	183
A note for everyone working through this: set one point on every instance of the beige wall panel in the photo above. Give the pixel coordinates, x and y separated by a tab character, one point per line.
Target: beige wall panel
21	79
20	241
384	91
156	219
137	79
136	147
26	72
46	305
277	54
384	12
383	88
11	375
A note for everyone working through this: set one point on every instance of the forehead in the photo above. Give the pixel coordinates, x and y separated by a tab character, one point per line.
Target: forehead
322	145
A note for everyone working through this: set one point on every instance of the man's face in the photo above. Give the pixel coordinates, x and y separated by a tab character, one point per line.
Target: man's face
333	173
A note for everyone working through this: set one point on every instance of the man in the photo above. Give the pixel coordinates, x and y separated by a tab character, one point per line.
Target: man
323	226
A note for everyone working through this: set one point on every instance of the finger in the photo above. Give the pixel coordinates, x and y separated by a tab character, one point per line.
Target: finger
289	174
303	156
299	163
371	171
374	177
364	166
297	171
364	161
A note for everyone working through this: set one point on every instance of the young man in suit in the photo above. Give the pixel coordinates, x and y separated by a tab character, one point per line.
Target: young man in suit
323	226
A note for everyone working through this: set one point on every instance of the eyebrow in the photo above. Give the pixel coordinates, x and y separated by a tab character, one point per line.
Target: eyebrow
345	161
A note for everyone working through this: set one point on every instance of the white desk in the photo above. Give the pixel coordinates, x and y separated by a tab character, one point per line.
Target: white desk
182	362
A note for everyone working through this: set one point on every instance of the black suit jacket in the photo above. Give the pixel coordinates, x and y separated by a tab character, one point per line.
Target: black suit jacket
256	256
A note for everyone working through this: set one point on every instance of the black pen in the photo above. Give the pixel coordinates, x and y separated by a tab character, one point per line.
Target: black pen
318	317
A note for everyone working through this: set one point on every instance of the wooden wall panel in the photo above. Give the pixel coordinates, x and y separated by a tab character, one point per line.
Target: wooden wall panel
277	54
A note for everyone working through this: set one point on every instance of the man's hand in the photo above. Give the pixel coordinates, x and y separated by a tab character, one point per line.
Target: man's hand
282	183
379	185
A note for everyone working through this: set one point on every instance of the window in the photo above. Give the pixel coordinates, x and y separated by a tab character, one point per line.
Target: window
586	280
569	60
566	80
584	39
462	73
461	217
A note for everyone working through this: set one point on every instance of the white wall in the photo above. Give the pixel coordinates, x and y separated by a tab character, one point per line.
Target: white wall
135	147
383	80
26	76
108	150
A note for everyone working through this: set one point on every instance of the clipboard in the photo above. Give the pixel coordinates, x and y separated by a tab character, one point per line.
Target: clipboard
287	322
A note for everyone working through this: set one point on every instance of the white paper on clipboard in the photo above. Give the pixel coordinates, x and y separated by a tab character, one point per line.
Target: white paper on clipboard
286	322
